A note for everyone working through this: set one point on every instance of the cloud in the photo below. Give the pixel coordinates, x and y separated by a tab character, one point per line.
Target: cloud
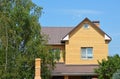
74	14
78	13
83	11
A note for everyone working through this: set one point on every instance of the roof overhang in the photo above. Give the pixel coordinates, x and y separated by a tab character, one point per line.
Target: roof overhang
62	69
66	38
107	37
74	74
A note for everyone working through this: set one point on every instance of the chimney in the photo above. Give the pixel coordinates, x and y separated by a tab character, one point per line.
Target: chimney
97	23
37	68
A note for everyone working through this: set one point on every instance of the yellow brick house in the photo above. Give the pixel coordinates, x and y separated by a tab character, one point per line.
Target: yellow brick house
80	47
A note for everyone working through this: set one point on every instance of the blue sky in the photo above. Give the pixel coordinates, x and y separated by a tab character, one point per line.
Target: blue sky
66	13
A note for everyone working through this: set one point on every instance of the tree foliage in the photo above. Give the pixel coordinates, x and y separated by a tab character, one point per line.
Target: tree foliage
108	67
21	40
116	75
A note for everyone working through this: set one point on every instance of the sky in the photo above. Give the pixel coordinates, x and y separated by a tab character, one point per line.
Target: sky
67	13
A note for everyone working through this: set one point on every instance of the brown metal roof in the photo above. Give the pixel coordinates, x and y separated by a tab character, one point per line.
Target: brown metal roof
55	34
62	69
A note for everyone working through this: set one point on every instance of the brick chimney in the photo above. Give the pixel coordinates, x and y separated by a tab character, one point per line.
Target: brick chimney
37	68
97	23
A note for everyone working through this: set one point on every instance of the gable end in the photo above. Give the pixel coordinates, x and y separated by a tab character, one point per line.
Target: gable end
107	37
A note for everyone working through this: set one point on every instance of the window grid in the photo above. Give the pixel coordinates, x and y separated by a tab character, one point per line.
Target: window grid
86	26
86	52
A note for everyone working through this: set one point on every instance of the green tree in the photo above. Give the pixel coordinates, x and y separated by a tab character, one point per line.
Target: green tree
116	75
21	40
108	66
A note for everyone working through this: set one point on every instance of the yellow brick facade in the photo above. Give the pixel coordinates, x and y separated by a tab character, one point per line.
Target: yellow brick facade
70	52
72	43
85	37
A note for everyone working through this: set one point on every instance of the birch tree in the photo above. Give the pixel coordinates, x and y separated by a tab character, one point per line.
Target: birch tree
21	40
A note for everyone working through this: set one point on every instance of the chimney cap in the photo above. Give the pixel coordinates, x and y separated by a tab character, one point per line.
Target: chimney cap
95	21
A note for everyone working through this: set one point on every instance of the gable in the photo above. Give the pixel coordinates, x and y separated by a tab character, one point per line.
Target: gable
81	25
57	35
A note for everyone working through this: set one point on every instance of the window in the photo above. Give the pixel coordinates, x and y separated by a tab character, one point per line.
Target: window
86	26
55	50
86	52
56	53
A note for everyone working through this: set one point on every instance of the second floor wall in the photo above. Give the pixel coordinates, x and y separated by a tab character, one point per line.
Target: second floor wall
86	45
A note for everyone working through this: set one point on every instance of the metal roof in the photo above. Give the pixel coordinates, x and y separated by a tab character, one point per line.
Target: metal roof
55	34
62	69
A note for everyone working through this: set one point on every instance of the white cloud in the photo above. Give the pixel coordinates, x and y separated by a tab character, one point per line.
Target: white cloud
78	13
75	14
84	11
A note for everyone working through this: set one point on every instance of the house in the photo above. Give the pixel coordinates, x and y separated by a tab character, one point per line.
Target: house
80	49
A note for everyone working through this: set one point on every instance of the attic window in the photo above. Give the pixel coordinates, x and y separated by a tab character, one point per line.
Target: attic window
86	26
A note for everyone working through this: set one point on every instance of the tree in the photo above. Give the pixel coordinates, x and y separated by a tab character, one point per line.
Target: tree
21	40
116	75
108	66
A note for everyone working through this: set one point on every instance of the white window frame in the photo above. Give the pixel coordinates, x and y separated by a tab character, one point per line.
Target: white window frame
86	53
86	25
